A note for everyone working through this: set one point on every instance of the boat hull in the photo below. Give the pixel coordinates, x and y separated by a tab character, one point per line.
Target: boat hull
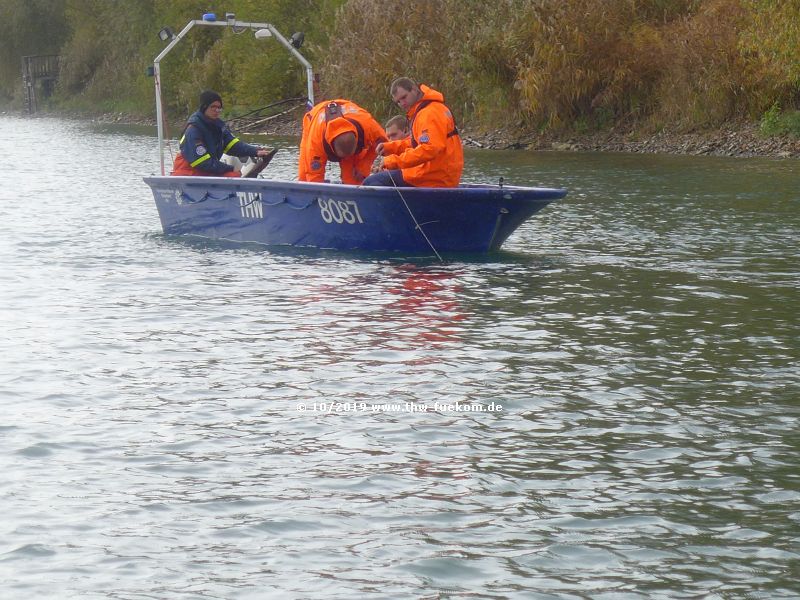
470	218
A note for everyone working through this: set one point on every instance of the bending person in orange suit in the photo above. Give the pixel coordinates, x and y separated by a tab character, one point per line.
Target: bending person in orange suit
433	155
339	131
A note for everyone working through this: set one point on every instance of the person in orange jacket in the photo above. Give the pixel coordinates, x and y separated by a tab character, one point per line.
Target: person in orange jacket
339	131
433	155
397	128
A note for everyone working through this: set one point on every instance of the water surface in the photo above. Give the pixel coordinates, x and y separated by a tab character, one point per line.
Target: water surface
187	419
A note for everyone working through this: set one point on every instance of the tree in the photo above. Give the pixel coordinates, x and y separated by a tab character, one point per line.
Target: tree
27	27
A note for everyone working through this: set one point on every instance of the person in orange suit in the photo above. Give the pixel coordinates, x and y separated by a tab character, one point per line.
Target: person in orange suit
397	128
433	156
339	131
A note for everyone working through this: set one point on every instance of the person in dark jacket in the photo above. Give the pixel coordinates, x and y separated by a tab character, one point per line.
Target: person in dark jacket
206	138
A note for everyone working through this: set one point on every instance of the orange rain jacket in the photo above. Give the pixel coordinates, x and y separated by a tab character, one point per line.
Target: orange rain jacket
432	156
316	145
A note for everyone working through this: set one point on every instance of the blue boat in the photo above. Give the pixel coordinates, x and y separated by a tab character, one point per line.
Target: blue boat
469	218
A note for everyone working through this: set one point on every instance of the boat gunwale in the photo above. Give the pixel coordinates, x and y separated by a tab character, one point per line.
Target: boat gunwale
469	189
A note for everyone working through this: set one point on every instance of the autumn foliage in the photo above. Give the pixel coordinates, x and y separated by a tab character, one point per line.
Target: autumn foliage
532	64
678	64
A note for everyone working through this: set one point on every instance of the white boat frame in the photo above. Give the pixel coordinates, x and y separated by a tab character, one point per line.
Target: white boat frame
228	22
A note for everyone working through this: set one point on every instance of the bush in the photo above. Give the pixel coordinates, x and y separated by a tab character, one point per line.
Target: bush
774	122
534	64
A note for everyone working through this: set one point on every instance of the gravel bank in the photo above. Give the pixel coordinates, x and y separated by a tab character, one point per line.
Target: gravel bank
734	140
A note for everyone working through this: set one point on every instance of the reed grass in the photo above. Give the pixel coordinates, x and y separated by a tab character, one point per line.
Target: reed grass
515	64
678	64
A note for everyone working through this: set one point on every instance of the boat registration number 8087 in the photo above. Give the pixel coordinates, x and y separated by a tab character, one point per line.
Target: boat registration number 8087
339	211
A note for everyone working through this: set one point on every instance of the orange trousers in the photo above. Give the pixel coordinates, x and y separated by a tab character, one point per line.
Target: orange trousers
182	167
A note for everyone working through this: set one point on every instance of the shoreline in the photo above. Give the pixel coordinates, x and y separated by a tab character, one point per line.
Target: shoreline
742	140
734	140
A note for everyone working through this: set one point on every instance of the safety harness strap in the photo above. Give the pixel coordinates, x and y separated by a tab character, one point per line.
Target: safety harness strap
423	104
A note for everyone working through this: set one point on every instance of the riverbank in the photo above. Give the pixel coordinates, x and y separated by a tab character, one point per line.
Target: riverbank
734	139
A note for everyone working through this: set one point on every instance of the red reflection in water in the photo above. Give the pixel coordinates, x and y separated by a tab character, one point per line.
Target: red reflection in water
428	303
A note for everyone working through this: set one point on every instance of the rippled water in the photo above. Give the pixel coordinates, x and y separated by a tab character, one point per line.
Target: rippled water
185	419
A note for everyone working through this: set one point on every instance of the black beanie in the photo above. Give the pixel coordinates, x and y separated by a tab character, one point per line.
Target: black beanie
207	97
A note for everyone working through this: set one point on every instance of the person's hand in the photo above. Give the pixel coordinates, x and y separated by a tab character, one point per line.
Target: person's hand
379	149
263	151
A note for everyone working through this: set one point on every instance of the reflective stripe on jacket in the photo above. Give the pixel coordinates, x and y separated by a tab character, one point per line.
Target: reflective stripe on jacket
204	142
181	167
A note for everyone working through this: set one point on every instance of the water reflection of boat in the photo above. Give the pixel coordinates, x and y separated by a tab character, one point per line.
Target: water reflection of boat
469	218
428	304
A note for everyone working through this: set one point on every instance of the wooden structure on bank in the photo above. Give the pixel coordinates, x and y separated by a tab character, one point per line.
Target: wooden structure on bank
39	76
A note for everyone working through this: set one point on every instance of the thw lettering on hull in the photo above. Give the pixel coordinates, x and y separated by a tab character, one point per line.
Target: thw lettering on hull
250	205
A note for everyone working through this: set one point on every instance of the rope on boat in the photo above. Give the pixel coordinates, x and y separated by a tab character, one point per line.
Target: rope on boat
283	200
257	197
206	196
413	218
